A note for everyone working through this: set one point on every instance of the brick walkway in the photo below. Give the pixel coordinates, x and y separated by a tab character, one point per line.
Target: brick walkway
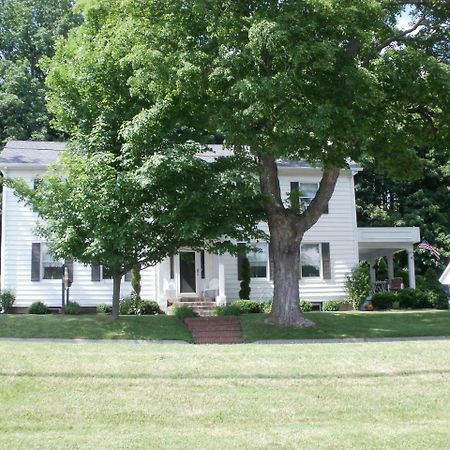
215	330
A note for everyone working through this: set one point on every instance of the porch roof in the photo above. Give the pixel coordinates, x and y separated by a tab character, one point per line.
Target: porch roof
374	242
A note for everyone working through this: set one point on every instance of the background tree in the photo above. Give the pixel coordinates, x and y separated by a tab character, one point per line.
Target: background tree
317	80
96	212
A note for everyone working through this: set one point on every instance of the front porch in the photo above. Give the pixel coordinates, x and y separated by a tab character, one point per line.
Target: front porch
374	243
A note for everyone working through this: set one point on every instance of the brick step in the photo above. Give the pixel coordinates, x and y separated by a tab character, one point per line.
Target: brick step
223	327
218	340
215	319
215	330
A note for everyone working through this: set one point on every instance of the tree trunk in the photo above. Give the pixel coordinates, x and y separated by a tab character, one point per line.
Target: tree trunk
287	227
117	279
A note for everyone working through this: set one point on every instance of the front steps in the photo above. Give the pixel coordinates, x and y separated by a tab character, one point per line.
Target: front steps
215	330
202	307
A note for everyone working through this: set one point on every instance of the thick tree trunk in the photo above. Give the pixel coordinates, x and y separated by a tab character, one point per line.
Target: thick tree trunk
286	228
117	279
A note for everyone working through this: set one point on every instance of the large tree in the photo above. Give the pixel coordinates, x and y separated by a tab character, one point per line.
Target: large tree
318	80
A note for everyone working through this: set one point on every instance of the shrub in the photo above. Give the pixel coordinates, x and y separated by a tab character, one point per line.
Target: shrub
383	300
7	299
437	300
128	305
148	307
228	310
244	292
104	308
266	307
72	308
248	306
358	285
332	305
136	280
183	312
412	298
305	306
38	308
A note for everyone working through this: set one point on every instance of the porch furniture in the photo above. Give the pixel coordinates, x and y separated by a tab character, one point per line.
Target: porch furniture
396	284
212	291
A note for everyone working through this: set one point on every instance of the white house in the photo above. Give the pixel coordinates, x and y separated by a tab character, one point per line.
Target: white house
328	253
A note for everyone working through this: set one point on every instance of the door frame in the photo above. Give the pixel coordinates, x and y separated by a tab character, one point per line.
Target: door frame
197	274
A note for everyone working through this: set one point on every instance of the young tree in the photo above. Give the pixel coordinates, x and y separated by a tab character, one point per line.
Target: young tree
96	212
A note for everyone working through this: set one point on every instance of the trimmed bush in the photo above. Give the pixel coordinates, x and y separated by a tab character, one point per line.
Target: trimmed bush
136	280
305	306
358	285
383	300
72	308
437	299
245	290
412	298
38	308
249	306
7	299
103	308
128	305
332	305
228	310
148	308
266	307
183	312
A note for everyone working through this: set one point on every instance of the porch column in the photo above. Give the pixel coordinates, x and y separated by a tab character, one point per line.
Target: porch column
411	268
221	299
390	265
373	274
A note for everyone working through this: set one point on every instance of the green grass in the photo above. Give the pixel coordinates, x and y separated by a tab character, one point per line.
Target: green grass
353	325
92	327
332	396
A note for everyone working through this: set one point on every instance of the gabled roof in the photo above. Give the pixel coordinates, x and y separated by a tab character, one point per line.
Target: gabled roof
445	277
42	153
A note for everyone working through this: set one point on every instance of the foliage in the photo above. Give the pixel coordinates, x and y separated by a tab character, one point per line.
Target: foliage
248	306
383	300
72	308
228	310
148	307
412	298
136	280
29	29
38	308
103	308
128	305
184	312
305	306
332	305
358	285
437	300
7	299
266	306
245	290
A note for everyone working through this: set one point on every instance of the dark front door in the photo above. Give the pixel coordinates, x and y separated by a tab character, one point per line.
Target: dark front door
187	272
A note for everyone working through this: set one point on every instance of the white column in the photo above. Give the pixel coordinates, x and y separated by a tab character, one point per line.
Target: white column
373	275
411	269
390	264
221	299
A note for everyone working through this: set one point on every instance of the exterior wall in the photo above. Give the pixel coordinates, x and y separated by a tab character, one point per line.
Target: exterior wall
19	224
338	228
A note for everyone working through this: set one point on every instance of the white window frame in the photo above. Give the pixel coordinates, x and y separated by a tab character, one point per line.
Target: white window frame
320	277
44	249
267	277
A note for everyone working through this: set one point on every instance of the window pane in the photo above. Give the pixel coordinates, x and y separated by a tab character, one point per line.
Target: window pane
258	261
52	268
310	260
307	192
107	273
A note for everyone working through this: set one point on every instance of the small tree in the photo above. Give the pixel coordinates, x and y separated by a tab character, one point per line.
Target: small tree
136	281
244	292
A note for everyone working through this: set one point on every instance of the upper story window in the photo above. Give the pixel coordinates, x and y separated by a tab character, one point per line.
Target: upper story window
258	261
51	267
310	261
307	193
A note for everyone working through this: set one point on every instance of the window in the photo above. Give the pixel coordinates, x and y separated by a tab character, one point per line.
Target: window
51	267
310	261
258	261
307	193
106	273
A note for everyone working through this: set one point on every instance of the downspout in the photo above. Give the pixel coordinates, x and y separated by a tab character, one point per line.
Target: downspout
3	237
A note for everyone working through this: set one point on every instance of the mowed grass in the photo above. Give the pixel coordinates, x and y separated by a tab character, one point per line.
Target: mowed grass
92	327
321	396
353	325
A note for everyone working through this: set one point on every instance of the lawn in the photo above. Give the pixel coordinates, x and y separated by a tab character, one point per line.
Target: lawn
329	325
353	324
330	396
92	327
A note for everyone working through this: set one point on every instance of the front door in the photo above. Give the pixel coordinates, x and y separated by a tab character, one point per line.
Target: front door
188	284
